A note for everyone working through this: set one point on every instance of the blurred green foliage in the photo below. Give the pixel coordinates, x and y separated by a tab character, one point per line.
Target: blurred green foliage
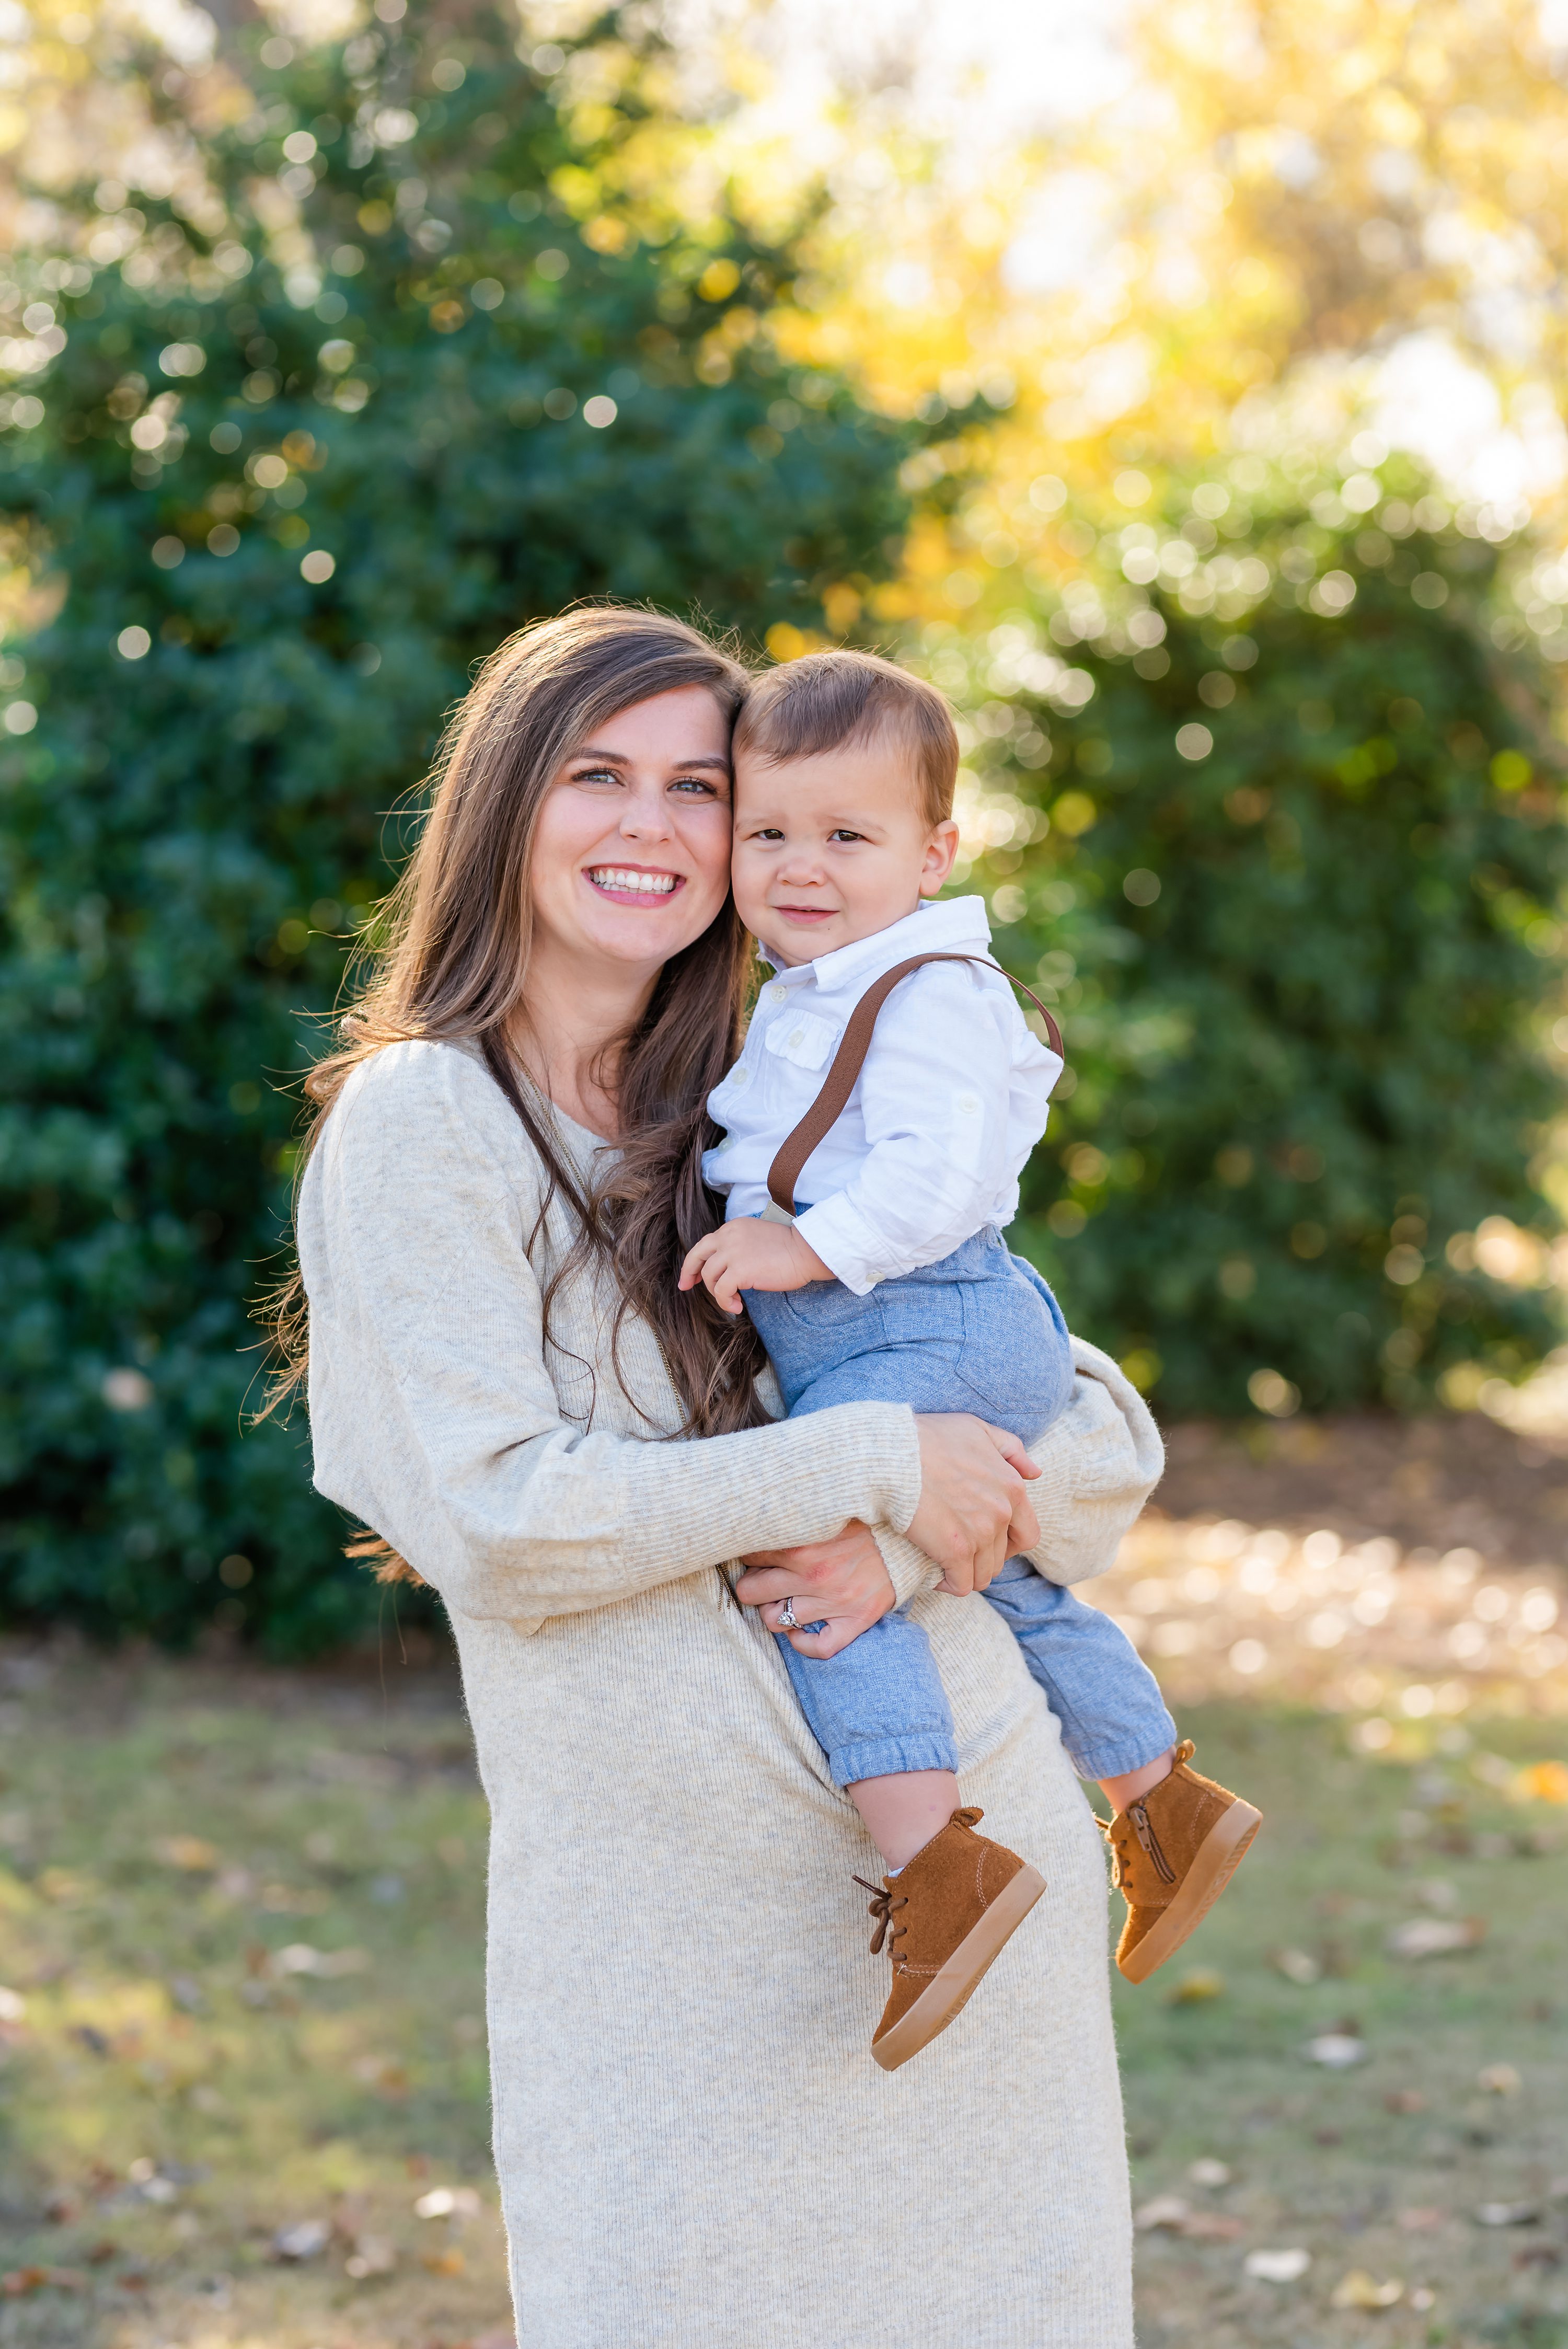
1303	969
434	354
380	339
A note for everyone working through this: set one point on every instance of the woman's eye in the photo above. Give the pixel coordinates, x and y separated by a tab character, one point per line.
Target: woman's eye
596	775
697	784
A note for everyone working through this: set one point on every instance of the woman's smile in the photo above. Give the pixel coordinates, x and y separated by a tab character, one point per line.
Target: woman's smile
630	884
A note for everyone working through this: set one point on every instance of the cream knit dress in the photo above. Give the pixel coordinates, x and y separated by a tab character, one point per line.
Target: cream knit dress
694	2145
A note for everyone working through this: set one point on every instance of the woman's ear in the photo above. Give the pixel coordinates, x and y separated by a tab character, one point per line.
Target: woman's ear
937	863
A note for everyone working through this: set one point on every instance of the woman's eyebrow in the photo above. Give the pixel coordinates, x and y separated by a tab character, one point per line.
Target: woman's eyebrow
619	759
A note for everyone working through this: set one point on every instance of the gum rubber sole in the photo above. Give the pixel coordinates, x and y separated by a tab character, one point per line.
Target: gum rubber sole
1214	1865
948	1992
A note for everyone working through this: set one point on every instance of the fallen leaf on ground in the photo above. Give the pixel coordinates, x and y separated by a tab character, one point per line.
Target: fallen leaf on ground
444	2263
329	1965
282	1900
1337	2050
1165	2210
383	2071
1211	2226
1404	2100
1421	2221
1360	2289
1508	2214
303	2241
373	2255
1192	1990
445	2201
1543	1782
1297	1966
1277	2267
1207	2171
186	1852
1499	2080
1435	1936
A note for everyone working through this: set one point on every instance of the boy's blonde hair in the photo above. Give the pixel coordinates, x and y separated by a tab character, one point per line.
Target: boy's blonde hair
829	700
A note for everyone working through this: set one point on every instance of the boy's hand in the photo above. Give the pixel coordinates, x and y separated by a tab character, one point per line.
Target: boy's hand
750	1254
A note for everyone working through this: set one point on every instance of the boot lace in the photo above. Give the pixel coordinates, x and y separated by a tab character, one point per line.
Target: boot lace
882	1905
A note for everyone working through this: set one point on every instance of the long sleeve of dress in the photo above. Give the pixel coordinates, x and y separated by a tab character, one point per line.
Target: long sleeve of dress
437	1420
1098	1464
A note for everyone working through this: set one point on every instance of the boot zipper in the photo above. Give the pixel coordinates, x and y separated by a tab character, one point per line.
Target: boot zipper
1146	1836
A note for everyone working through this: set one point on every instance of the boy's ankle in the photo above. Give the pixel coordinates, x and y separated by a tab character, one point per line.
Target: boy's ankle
904	1811
1119	1792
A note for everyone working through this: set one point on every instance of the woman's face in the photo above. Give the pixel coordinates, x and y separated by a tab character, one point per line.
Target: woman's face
631	852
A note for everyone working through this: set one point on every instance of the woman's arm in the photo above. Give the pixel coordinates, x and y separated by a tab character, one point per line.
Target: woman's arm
435	1419
1098	1463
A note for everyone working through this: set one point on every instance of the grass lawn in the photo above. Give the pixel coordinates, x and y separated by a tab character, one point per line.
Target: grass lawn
244	2091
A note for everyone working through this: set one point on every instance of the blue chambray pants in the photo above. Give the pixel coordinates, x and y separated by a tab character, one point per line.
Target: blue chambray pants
980	1332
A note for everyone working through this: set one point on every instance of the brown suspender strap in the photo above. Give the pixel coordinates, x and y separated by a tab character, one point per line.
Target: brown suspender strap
847	1061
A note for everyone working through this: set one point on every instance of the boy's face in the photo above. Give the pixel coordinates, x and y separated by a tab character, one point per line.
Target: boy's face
832	849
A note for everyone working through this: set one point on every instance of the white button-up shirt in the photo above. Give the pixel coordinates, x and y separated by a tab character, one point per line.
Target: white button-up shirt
947	1107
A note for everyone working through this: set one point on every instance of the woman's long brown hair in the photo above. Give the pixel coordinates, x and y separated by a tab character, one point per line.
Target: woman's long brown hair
449	962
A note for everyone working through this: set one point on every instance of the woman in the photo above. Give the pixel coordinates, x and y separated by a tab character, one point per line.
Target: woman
695	2146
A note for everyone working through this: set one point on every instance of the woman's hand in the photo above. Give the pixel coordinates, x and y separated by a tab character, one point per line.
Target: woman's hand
974	1512
841	1582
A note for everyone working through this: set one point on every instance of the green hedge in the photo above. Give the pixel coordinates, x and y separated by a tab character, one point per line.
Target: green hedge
189	835
1304	975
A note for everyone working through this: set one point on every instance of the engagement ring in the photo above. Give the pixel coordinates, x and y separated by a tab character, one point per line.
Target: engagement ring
787	1617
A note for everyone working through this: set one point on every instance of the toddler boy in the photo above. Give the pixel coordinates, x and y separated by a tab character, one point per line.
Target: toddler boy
885	1277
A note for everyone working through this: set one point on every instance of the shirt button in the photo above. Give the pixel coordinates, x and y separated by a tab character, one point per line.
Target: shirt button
796	1035
967	1104
773	994
740	1076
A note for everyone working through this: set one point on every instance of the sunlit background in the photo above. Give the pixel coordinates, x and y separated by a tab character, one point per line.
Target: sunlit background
1182	389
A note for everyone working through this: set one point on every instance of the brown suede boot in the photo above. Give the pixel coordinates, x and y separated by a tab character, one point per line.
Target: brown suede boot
944	1917
1176	1849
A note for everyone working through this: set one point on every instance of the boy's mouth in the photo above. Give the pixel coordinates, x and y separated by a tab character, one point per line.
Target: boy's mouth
633	885
807	917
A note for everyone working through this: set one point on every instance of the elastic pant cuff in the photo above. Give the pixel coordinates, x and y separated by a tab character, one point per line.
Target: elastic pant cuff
1118	1760
889	1758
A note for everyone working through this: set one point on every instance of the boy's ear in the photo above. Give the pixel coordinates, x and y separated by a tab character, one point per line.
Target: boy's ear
940	851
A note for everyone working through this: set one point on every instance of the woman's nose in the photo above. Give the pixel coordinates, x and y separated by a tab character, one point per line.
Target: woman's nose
646	817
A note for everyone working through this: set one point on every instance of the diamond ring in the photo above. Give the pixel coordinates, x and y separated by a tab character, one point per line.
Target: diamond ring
787	1620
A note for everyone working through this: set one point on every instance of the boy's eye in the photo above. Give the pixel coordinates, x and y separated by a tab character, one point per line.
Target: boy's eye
766	832
843	832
